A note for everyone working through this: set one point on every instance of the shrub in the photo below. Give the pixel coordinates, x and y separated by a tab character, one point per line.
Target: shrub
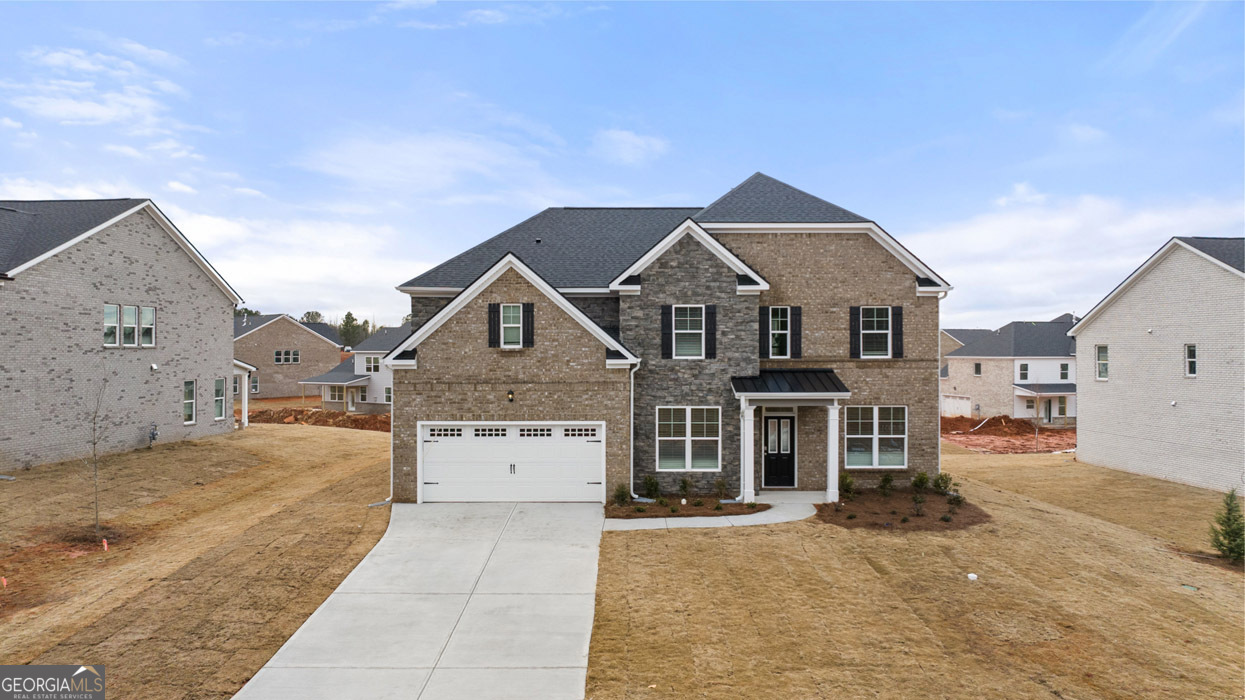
662	502
720	489
622	495
752	505
1228	533
685	487
847	486
674	509
954	499
904	519
698	503
885	484
920	482
640	509
717	506
946	518
918	504
942	483
851	516
652	487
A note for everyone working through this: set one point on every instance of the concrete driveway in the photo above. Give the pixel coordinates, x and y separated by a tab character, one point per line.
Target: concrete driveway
457	600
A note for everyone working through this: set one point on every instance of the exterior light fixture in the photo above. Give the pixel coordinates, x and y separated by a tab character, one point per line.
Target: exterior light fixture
510	396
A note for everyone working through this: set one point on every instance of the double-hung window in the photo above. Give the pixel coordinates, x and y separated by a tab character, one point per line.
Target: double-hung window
363	394
371	364
147	327
188	402
689	332
1190	360
1024	371
285	357
235	385
689	439
512	325
254	383
1029	404
388	394
112	323
336	393
1063	370
1063	405
1101	354
129	326
218	400
875	331
976	369
780	331
877	437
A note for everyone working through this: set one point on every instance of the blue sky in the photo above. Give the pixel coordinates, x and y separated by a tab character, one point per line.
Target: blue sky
322	153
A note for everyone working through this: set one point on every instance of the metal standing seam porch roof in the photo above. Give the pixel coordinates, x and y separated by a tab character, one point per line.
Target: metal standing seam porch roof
779	382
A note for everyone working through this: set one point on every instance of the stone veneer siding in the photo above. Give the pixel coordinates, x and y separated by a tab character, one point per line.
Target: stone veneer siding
826	274
460	378
52	358
316	356
424	308
688	273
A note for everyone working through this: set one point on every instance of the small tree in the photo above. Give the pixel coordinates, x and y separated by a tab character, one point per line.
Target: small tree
350	330
1228	533
312	317
97	436
243	311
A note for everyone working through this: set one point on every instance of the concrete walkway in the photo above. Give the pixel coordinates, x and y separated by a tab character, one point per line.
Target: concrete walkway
778	513
457	600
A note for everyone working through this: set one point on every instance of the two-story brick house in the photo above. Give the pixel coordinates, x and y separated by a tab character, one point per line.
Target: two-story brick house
769	341
105	303
284	352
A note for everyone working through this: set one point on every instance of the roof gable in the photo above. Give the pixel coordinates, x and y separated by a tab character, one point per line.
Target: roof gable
385	338
625	281
762	199
1022	339
324	330
246	325
1229	251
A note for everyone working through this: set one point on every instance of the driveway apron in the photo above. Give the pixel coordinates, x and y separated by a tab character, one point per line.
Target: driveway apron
457	600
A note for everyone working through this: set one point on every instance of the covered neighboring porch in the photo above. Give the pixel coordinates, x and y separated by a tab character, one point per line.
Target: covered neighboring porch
242	385
340	385
789	434
1050	404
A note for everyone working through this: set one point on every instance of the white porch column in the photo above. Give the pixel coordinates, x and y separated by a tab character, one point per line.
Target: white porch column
246	395
832	453
747	489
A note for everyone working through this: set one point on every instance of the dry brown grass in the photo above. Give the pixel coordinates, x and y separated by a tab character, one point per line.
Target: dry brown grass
1067	605
230	543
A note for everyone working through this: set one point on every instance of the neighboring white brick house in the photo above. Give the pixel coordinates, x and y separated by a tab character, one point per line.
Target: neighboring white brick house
65	268
1152	413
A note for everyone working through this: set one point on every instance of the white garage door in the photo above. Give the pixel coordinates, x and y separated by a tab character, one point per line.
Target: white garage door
956	405
512	462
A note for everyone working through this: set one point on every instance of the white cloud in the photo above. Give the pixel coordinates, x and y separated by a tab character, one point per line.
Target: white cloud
23	188
1022	193
1057	255
1082	133
248	192
172	148
10	123
147	54
1149	37
175	186
132	104
627	147
127	151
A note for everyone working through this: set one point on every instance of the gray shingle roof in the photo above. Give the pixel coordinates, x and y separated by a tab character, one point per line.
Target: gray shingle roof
245	324
325	330
29	229
967	335
788	381
1023	339
385	338
1229	251
1068	388
341	374
762	199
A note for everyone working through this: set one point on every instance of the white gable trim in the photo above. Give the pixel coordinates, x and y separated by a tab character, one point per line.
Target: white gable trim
240	365
1159	255
291	320
878	234
693	229
510	262
168	226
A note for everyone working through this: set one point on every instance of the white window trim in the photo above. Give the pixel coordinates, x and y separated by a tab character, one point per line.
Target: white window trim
501	331
1022	370
116	326
154	339
674	340
194	399
389	394
335	389
218	399
687	439
254	383
907	417
1065	371
1098	364
890	329
363	395
772	333
1062	403
1030	405
121	338
235	384
371	363
1187	360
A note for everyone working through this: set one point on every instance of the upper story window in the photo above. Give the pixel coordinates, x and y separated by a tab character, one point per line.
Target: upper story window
689	332
129	326
371	364
1190	360
1024	371
285	357
512	325
780	331
875	331
976	369
147	327
112	322
1063	370
1101	355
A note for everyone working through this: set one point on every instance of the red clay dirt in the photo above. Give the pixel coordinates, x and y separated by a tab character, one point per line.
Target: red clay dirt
1004	435
315	416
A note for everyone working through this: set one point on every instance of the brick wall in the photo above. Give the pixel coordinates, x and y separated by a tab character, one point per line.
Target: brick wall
52	359
949	344
991	393
316	356
460	378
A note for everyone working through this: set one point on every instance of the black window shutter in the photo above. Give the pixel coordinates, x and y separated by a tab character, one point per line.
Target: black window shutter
896	331
854	330
667	332
494	325
711	331
797	333
763	327
529	325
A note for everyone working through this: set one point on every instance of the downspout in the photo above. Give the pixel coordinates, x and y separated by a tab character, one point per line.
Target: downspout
631	399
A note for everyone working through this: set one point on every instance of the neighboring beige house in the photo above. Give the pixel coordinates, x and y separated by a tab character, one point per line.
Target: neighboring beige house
284	352
105	302
952	339
1161	359
1026	369
768	342
362	383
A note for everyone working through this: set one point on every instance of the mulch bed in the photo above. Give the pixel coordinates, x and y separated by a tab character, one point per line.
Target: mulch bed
652	510
870	509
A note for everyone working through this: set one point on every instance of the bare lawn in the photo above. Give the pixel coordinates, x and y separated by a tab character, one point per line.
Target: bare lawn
1078	596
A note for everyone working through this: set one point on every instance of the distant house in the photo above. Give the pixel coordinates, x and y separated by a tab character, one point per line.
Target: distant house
284	352
1026	369
951	339
1163	392
362	383
105	302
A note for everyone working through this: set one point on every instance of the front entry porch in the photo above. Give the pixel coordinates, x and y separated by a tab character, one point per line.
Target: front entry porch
789	425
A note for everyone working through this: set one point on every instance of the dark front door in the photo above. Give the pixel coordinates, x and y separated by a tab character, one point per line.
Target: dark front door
779	447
